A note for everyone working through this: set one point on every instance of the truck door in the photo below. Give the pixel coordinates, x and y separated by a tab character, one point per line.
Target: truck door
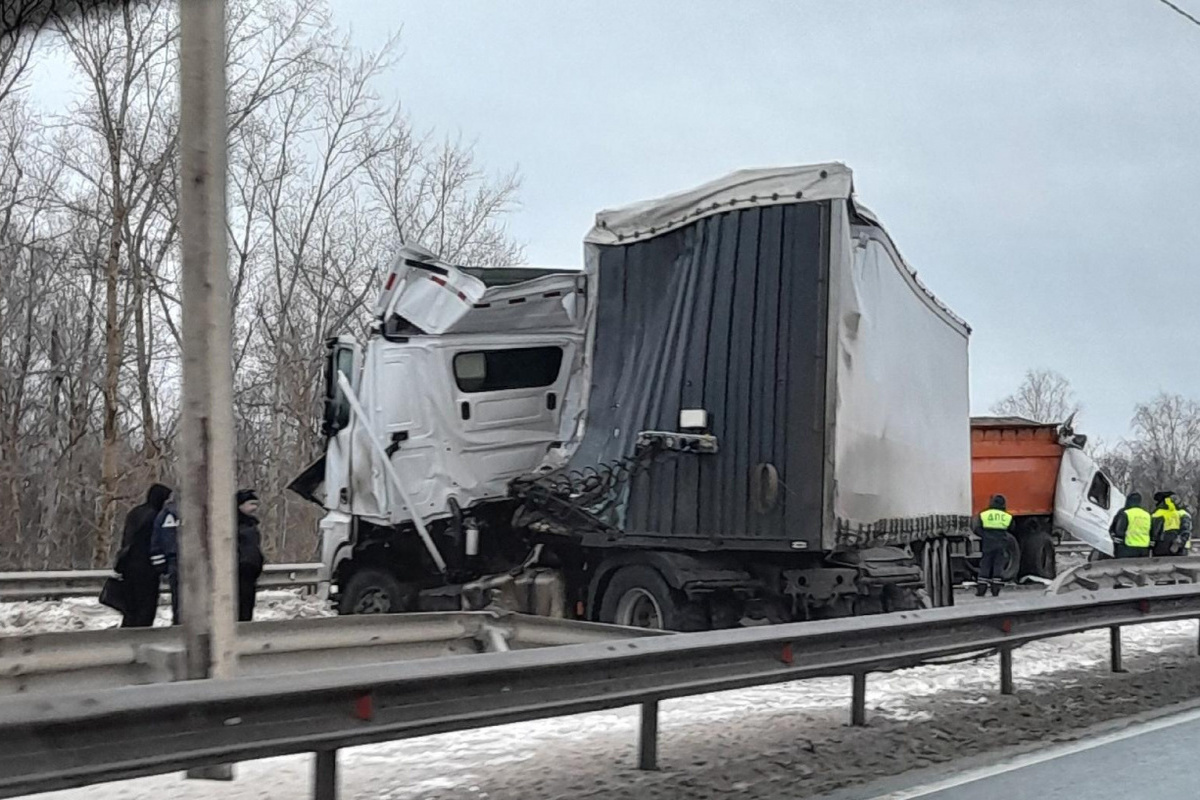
1085	500
509	402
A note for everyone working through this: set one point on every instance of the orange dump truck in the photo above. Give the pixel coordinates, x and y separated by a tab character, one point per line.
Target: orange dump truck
1052	486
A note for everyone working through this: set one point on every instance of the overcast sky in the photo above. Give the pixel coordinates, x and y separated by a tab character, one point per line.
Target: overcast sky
1037	162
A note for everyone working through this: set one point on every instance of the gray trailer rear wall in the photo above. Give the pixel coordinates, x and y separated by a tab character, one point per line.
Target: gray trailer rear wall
835	384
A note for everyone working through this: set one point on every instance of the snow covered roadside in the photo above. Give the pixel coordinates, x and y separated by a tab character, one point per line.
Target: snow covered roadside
790	740
86	614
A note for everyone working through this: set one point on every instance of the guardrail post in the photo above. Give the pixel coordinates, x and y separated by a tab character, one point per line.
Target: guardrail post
325	783
858	700
1114	640
648	737
1006	678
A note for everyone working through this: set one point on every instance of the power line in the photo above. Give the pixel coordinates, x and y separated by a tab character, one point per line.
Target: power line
1179	11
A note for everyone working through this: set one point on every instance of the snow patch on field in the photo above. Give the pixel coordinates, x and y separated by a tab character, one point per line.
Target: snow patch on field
86	613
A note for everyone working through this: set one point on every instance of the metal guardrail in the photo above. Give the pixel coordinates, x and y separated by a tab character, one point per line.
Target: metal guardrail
108	659
1125	573
53	585
79	738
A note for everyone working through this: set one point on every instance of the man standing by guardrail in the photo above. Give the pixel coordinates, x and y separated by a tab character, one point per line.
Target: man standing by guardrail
249	553
993	526
1130	529
138	574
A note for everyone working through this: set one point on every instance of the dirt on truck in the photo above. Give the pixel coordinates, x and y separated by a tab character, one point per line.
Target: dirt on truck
1054	489
745	407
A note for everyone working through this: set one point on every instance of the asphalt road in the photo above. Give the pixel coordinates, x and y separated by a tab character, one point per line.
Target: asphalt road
1153	761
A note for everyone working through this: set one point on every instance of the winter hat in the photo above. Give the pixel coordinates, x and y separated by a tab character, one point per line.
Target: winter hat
246	495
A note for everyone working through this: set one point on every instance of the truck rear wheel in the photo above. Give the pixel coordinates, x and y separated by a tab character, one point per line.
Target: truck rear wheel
639	597
1037	554
1010	566
372	591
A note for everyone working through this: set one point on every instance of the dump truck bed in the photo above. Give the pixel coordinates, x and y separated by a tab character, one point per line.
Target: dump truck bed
1017	458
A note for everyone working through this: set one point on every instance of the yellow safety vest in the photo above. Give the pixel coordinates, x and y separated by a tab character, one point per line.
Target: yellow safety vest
1137	533
1169	516
995	519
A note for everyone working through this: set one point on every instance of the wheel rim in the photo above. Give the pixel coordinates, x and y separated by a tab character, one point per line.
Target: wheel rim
373	601
639	609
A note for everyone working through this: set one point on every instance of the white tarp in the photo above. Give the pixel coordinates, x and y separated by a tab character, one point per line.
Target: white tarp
747	187
902	422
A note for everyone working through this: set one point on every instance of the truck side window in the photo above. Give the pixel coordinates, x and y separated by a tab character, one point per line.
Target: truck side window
502	370
1100	491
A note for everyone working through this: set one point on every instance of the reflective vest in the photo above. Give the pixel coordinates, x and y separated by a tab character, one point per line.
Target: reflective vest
1137	532
995	519
1169	517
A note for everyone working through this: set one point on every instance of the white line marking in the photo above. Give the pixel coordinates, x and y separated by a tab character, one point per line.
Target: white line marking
1029	760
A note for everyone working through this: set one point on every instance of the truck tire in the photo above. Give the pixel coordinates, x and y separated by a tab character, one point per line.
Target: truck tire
1037	554
639	597
1011	565
372	591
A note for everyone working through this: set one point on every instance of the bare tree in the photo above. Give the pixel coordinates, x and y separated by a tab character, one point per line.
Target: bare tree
1043	396
325	178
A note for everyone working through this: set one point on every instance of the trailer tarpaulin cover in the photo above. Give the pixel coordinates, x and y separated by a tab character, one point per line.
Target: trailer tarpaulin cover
902	432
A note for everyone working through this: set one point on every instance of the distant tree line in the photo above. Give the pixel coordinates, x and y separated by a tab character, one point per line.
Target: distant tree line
325	178
1162	451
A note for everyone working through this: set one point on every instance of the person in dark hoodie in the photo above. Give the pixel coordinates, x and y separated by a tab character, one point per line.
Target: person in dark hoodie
138	574
164	550
249	553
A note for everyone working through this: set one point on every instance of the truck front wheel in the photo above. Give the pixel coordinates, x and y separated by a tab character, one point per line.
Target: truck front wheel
639	597
372	591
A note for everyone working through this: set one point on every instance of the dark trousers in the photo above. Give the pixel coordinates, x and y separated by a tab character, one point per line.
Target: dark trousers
1123	550
141	597
247	589
991	568
1171	544
173	582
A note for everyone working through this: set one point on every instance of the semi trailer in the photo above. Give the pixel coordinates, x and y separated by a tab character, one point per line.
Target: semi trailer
744	408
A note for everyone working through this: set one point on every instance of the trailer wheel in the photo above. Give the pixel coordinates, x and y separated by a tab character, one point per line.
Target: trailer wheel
638	597
372	591
1037	554
1011	566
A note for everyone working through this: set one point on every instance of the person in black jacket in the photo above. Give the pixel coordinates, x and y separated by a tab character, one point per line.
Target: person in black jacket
249	553
138	575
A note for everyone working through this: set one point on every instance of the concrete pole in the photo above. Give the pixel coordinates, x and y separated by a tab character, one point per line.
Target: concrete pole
206	479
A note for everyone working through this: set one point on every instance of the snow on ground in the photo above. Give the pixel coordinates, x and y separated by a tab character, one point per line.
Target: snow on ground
784	741
86	613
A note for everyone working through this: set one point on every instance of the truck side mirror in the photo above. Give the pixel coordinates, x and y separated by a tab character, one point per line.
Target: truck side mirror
340	360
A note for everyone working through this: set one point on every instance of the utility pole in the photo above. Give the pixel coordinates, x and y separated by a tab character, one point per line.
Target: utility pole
207	478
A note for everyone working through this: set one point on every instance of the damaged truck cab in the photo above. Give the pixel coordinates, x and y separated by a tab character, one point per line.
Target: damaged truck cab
744	408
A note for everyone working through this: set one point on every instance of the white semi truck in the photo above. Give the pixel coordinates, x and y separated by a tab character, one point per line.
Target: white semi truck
745	407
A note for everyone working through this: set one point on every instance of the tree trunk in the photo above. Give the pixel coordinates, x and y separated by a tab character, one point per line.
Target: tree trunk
150	450
101	552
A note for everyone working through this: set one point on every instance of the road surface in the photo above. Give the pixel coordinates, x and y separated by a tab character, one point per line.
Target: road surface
1151	761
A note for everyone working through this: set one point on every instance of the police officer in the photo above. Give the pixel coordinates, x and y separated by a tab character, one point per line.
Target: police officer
1164	526
992	526
1130	529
